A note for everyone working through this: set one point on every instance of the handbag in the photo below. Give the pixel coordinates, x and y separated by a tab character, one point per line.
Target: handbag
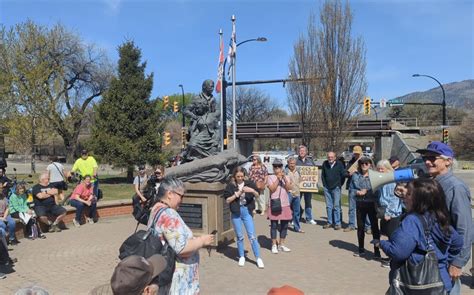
422	278
275	205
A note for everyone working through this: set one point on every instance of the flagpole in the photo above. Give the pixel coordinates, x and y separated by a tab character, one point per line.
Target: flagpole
220	93
234	47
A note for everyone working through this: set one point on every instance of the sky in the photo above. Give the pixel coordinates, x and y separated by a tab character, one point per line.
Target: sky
180	42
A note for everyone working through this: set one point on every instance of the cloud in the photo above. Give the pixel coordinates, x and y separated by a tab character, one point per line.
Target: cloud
113	6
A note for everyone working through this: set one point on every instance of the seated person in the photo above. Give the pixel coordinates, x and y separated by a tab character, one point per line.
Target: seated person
45	203
5	182
82	196
6	220
18	207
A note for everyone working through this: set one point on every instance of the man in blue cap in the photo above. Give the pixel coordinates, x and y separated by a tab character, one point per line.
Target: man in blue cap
438	158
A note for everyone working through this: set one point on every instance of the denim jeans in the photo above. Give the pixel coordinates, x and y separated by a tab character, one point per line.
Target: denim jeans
246	219
352	209
307	205
456	290
280	226
80	207
295	206
333	203
10	223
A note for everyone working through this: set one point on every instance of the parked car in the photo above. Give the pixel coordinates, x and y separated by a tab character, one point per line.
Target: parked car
419	166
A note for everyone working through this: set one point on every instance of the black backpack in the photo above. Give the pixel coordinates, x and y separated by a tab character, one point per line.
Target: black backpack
146	243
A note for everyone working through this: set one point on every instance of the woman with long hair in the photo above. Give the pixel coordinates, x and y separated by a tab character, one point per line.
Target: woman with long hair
258	173
365	205
172	228
424	200
240	194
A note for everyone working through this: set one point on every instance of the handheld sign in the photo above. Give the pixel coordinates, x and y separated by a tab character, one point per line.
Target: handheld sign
309	178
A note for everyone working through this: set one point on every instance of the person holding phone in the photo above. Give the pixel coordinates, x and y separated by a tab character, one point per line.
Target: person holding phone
240	194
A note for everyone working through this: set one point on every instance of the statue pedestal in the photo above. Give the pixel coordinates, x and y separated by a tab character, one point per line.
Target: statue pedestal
204	210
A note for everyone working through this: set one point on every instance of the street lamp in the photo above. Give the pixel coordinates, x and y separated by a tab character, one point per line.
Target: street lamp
444	97
224	101
182	105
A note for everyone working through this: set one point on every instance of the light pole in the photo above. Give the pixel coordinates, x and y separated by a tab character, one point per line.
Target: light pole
182	105
224	85
444	97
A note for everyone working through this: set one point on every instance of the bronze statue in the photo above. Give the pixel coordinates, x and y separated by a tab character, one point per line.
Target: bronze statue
203	131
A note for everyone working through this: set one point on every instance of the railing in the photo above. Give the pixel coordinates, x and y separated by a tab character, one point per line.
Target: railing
415	122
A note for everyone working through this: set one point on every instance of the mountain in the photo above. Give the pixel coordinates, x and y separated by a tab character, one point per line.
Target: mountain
458	95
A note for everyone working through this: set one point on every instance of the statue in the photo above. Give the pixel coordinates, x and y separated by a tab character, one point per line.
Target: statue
203	131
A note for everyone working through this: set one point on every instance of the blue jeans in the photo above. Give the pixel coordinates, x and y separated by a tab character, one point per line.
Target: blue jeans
352	209
333	202
307	205
11	227
456	290
246	219
295	206
80	207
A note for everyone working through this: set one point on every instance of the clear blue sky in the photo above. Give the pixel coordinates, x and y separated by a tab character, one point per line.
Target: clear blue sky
179	39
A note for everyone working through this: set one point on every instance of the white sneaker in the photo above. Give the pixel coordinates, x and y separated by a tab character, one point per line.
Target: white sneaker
312	222
260	263
284	248
90	220
76	223
241	261
275	249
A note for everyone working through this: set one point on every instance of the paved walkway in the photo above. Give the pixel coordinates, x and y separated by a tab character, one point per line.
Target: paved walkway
321	262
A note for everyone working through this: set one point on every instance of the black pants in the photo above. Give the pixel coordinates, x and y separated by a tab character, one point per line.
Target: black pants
279	225
387	228
367	209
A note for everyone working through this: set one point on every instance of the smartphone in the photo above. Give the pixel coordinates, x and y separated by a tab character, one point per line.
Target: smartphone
214	232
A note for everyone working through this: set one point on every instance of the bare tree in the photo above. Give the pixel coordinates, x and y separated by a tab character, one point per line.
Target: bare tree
52	74
252	105
333	64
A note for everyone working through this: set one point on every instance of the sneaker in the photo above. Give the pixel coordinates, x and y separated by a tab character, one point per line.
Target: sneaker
3	276
385	263
326	226
242	261
275	249
41	236
284	248
348	229
13	242
55	228
359	254
337	227
76	223
260	263
90	220
312	221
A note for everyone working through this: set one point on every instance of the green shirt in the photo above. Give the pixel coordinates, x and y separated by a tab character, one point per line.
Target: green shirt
85	167
18	203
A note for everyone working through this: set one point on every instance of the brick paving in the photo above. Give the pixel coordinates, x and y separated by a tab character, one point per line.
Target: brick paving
321	262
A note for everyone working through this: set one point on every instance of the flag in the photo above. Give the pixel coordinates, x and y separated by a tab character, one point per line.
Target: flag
220	66
232	50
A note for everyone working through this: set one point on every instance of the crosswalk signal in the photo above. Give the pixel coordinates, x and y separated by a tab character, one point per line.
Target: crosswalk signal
166	102
167	138
175	107
445	136
367	106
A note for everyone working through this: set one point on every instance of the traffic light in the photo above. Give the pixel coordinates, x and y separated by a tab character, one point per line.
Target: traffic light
166	102
367	106
166	138
183	138
175	107
445	136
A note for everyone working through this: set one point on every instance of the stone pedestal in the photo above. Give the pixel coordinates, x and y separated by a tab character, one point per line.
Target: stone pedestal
204	210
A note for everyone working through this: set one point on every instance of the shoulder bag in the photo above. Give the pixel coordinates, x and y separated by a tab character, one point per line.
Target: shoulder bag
275	204
422	278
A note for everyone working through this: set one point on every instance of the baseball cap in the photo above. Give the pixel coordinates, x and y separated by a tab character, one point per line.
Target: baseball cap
357	149
393	159
134	273
439	148
277	162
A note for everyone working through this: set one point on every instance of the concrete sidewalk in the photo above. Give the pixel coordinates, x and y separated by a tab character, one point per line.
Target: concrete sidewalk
321	262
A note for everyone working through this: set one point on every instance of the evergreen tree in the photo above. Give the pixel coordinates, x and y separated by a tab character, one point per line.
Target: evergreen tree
127	129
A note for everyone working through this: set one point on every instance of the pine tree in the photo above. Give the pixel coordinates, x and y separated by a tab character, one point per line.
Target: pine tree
127	129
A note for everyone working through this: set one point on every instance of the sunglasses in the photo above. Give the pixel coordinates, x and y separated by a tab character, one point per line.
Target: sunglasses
430	158
180	195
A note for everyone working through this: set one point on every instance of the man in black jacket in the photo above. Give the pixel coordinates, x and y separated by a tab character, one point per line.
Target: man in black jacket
333	175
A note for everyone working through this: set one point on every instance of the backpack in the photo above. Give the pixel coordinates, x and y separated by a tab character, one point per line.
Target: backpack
146	243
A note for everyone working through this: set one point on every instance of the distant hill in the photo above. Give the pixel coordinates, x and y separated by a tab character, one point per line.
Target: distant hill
458	95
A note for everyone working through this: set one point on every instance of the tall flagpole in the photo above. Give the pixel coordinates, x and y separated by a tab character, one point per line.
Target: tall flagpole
221	48
234	53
